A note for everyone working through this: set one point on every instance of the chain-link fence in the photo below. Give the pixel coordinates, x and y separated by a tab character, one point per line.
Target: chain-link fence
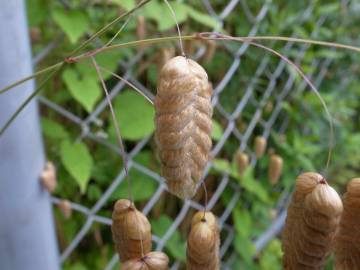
270	80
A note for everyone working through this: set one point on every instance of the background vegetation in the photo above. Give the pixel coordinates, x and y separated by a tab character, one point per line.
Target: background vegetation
86	168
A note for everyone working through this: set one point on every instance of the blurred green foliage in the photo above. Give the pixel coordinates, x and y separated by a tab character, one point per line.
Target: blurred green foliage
89	167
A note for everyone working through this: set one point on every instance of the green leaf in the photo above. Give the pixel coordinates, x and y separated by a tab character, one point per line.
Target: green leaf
77	161
108	60
73	22
135	115
126	4
244	247
202	18
251	185
217	131
175	245
142	185
242	222
84	89
37	12
166	20
53	129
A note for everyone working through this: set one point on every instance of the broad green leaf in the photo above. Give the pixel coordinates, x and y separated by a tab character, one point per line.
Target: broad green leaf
107	60
85	89
175	244
73	22
142	185
217	131
244	247
37	12
253	186
77	161
126	4
135	115
242	222
53	129
329	8
202	18
221	165
166	20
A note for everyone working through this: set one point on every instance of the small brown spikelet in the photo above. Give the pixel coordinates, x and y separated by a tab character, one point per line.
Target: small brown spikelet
347	242
260	146
183	124
242	161
275	168
129	228
151	261
311	224
203	243
48	177
65	208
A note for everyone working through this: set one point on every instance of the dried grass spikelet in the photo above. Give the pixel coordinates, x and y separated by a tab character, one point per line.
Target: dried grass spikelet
260	146
151	261
48	177
65	208
183	124
347	242
311	223
242	161
131	231
275	168
203	243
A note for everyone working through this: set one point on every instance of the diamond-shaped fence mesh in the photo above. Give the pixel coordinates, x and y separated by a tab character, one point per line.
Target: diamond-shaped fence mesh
270	80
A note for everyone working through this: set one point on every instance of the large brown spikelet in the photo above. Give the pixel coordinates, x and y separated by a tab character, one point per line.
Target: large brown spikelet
131	231
203	243
311	224
183	124
151	261
347	244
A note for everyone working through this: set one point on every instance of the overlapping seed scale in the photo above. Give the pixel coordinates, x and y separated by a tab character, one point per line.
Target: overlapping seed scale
347	246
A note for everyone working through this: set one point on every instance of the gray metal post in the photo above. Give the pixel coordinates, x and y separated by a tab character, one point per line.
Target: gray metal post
27	233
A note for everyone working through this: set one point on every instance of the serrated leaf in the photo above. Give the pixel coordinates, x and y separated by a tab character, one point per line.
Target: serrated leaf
175	245
53	129
135	116
85	89
74	23
217	131
77	161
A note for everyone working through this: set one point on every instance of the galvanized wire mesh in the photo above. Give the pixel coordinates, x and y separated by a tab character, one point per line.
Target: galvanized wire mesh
280	83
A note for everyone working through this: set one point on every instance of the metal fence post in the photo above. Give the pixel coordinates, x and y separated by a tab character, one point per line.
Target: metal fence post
27	232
